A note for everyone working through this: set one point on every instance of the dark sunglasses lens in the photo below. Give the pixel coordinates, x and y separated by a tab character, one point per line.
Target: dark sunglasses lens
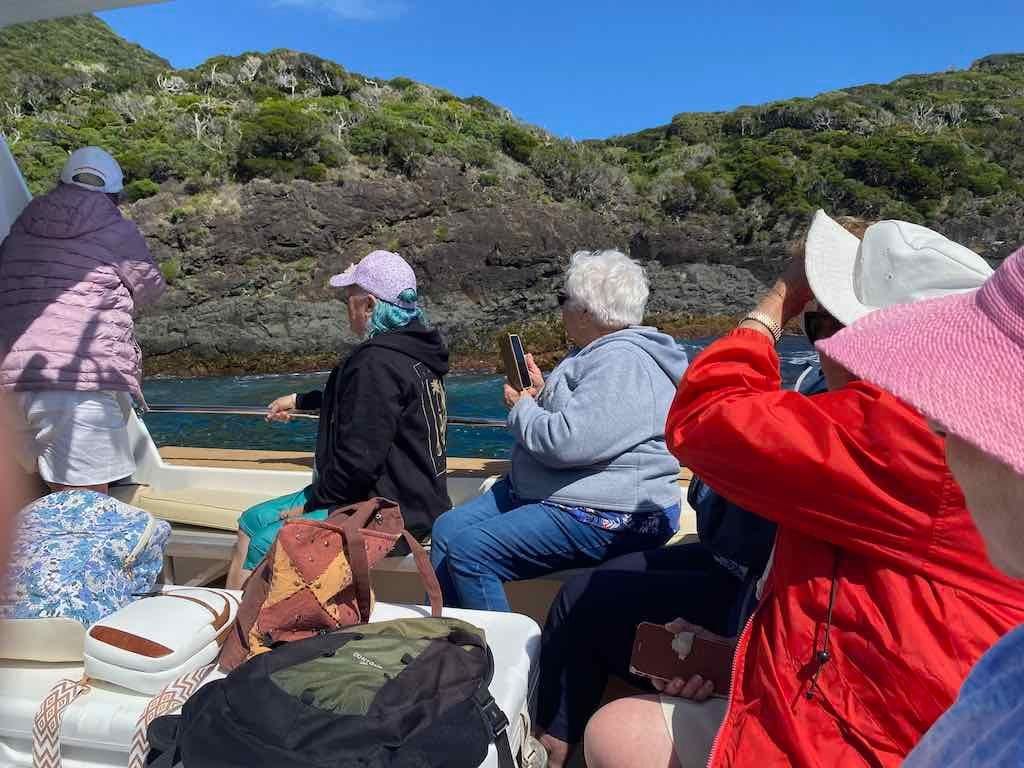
562	298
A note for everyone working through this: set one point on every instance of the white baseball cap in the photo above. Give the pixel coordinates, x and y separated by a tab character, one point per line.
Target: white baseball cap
896	263
95	161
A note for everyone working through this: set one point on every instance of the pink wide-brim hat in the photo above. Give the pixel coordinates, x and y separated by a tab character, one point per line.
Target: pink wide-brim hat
957	359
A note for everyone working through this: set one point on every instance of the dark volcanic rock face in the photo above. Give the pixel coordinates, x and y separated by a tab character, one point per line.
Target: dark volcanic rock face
254	261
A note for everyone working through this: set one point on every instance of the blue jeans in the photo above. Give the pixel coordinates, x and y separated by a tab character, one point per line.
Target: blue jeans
497	537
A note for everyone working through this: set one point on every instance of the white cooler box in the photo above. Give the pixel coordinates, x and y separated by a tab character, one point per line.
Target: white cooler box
98	728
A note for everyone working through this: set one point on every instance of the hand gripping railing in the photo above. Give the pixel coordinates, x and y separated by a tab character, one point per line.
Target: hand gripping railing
248	410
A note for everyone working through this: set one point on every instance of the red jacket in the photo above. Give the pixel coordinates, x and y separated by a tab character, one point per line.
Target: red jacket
860	490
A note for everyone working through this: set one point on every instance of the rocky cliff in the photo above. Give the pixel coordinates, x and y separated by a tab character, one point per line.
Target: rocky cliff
251	291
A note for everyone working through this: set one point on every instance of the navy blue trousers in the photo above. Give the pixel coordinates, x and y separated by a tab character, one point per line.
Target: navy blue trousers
590	629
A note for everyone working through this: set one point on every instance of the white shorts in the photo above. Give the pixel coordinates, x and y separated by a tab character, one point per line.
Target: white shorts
76	438
693	726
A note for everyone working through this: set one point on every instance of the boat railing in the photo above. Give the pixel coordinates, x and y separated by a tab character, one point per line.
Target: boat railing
244	410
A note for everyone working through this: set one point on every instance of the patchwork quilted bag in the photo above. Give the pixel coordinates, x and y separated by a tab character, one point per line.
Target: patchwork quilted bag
316	578
81	555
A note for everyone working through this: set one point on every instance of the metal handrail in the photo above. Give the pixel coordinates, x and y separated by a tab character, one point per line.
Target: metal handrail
248	410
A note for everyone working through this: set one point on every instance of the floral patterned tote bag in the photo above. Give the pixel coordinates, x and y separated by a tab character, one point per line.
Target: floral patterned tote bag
80	555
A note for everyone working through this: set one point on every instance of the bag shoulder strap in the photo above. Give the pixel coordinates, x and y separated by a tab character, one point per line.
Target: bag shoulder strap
170	698
497	724
427	575
220	618
505	758
378	514
48	718
360	565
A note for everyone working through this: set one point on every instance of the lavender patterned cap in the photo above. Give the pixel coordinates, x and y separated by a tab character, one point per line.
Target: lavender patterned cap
381	273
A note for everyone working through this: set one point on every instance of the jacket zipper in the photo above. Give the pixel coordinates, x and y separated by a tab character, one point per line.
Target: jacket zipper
741	646
741	650
141	544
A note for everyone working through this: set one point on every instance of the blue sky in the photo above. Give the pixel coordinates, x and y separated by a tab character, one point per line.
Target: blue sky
595	68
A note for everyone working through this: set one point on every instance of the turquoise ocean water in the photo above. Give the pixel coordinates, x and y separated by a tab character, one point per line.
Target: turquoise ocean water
468	395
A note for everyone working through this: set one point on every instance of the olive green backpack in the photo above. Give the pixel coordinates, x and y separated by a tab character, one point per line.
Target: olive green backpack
405	693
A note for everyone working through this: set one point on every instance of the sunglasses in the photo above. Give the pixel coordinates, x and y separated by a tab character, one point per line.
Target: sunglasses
563	298
820	325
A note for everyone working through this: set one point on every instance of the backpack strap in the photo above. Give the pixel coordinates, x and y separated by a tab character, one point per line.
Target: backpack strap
48	719
497	724
171	696
505	758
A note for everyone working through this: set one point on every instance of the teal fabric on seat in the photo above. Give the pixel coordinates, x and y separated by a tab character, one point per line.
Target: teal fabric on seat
262	522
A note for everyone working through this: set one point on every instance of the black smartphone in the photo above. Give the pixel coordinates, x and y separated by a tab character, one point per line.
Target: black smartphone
514	359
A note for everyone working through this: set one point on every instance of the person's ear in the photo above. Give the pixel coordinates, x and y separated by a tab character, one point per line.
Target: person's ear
371	302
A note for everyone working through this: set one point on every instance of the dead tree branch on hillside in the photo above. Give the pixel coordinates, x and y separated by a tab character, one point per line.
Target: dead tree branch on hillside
822	119
955	114
924	119
172	84
14	110
340	122
215	78
247	72
132	106
286	80
992	112
325	81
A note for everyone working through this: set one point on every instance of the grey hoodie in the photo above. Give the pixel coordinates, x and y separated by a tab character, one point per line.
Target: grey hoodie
595	437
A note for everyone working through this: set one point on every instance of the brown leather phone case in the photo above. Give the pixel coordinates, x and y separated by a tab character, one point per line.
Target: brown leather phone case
515	365
654	657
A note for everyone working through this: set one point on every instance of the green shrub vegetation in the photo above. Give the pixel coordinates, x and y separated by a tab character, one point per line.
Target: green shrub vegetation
171	269
139	189
912	148
518	143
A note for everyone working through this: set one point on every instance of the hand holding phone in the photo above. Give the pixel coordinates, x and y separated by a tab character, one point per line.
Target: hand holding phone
663	655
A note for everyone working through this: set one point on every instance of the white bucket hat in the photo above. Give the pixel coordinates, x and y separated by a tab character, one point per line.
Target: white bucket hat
95	161
896	263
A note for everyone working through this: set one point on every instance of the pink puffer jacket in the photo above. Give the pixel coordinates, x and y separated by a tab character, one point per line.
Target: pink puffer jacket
72	273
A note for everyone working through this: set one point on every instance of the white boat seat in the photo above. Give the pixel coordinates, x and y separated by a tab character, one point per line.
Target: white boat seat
98	728
190	506
204	520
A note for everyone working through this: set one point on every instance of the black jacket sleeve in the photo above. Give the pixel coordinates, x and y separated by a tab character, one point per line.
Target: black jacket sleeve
369	404
309	401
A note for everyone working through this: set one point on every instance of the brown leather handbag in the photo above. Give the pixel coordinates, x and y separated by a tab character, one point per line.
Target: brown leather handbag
316	578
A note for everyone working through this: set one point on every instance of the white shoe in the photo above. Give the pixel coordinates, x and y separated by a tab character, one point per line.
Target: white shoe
534	754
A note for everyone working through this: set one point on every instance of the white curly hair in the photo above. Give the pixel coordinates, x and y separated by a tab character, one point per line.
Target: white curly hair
609	285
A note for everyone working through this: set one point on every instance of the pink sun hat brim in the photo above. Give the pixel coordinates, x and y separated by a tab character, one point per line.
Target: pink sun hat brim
957	359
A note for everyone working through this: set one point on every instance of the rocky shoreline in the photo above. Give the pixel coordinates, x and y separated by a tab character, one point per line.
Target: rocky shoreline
543	339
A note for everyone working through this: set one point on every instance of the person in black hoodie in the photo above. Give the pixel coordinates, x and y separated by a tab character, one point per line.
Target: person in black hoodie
383	416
